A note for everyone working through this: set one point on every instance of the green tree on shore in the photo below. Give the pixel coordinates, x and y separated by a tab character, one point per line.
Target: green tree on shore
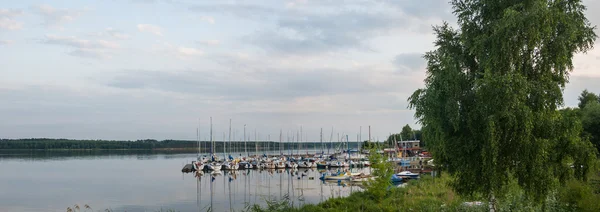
590	118
587	97
492	92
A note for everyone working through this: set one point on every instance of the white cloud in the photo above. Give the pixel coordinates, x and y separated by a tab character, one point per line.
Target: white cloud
83	48
55	17
90	53
208	19
6	42
116	34
7	23
150	28
209	42
10	12
188	51
294	3
111	33
79	43
180	52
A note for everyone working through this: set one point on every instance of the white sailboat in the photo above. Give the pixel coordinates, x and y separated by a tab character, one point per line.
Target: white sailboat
214	165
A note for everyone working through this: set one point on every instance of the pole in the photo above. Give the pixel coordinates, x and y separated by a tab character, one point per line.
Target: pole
211	138
229	142
321	139
245	147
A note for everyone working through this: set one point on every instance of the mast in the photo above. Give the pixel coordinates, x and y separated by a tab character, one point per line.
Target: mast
347	147
229	142
198	139
300	144
369	133
330	141
211	138
255	146
280	138
359	138
321	140
245	147
339	140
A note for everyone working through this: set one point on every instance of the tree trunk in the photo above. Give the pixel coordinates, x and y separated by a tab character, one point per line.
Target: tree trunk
492	203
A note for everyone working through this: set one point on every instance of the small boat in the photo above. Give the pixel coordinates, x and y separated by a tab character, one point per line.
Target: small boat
362	178
397	179
305	164
268	165
244	165
341	176
230	166
291	165
408	174
198	166
214	166
280	165
338	164
322	165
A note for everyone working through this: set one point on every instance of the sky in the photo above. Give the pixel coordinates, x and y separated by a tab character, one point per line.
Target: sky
135	69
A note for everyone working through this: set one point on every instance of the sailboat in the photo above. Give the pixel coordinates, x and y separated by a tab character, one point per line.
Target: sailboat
214	165
198	165
230	164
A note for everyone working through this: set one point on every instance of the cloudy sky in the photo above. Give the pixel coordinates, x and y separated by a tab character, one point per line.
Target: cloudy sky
131	69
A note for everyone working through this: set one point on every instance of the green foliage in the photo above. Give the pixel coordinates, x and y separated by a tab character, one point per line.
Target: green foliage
587	97
426	194
382	170
590	118
371	145
407	133
492	92
579	196
435	194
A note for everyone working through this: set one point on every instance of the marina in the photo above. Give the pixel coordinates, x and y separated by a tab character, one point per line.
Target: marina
145	181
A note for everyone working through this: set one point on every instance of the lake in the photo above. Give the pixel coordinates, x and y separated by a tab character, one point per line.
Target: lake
146	181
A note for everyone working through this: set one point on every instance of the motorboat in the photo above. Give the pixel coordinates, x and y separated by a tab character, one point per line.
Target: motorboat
341	176
408	174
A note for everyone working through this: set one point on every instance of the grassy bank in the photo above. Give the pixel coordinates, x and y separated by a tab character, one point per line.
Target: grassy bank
434	194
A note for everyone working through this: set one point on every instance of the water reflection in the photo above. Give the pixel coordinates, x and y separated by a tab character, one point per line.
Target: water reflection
43	181
244	188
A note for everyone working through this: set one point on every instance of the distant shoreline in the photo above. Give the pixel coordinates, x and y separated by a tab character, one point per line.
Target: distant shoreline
160	149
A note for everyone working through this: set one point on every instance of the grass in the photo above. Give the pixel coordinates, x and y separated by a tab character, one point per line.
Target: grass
435	194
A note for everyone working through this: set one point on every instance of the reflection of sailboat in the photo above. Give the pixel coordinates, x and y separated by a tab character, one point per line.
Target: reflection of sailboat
198	188
212	179
229	185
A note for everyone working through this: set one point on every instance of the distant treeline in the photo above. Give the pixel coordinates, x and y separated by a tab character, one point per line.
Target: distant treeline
150	144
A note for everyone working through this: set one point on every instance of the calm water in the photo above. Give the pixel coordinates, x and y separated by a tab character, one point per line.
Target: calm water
145	181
